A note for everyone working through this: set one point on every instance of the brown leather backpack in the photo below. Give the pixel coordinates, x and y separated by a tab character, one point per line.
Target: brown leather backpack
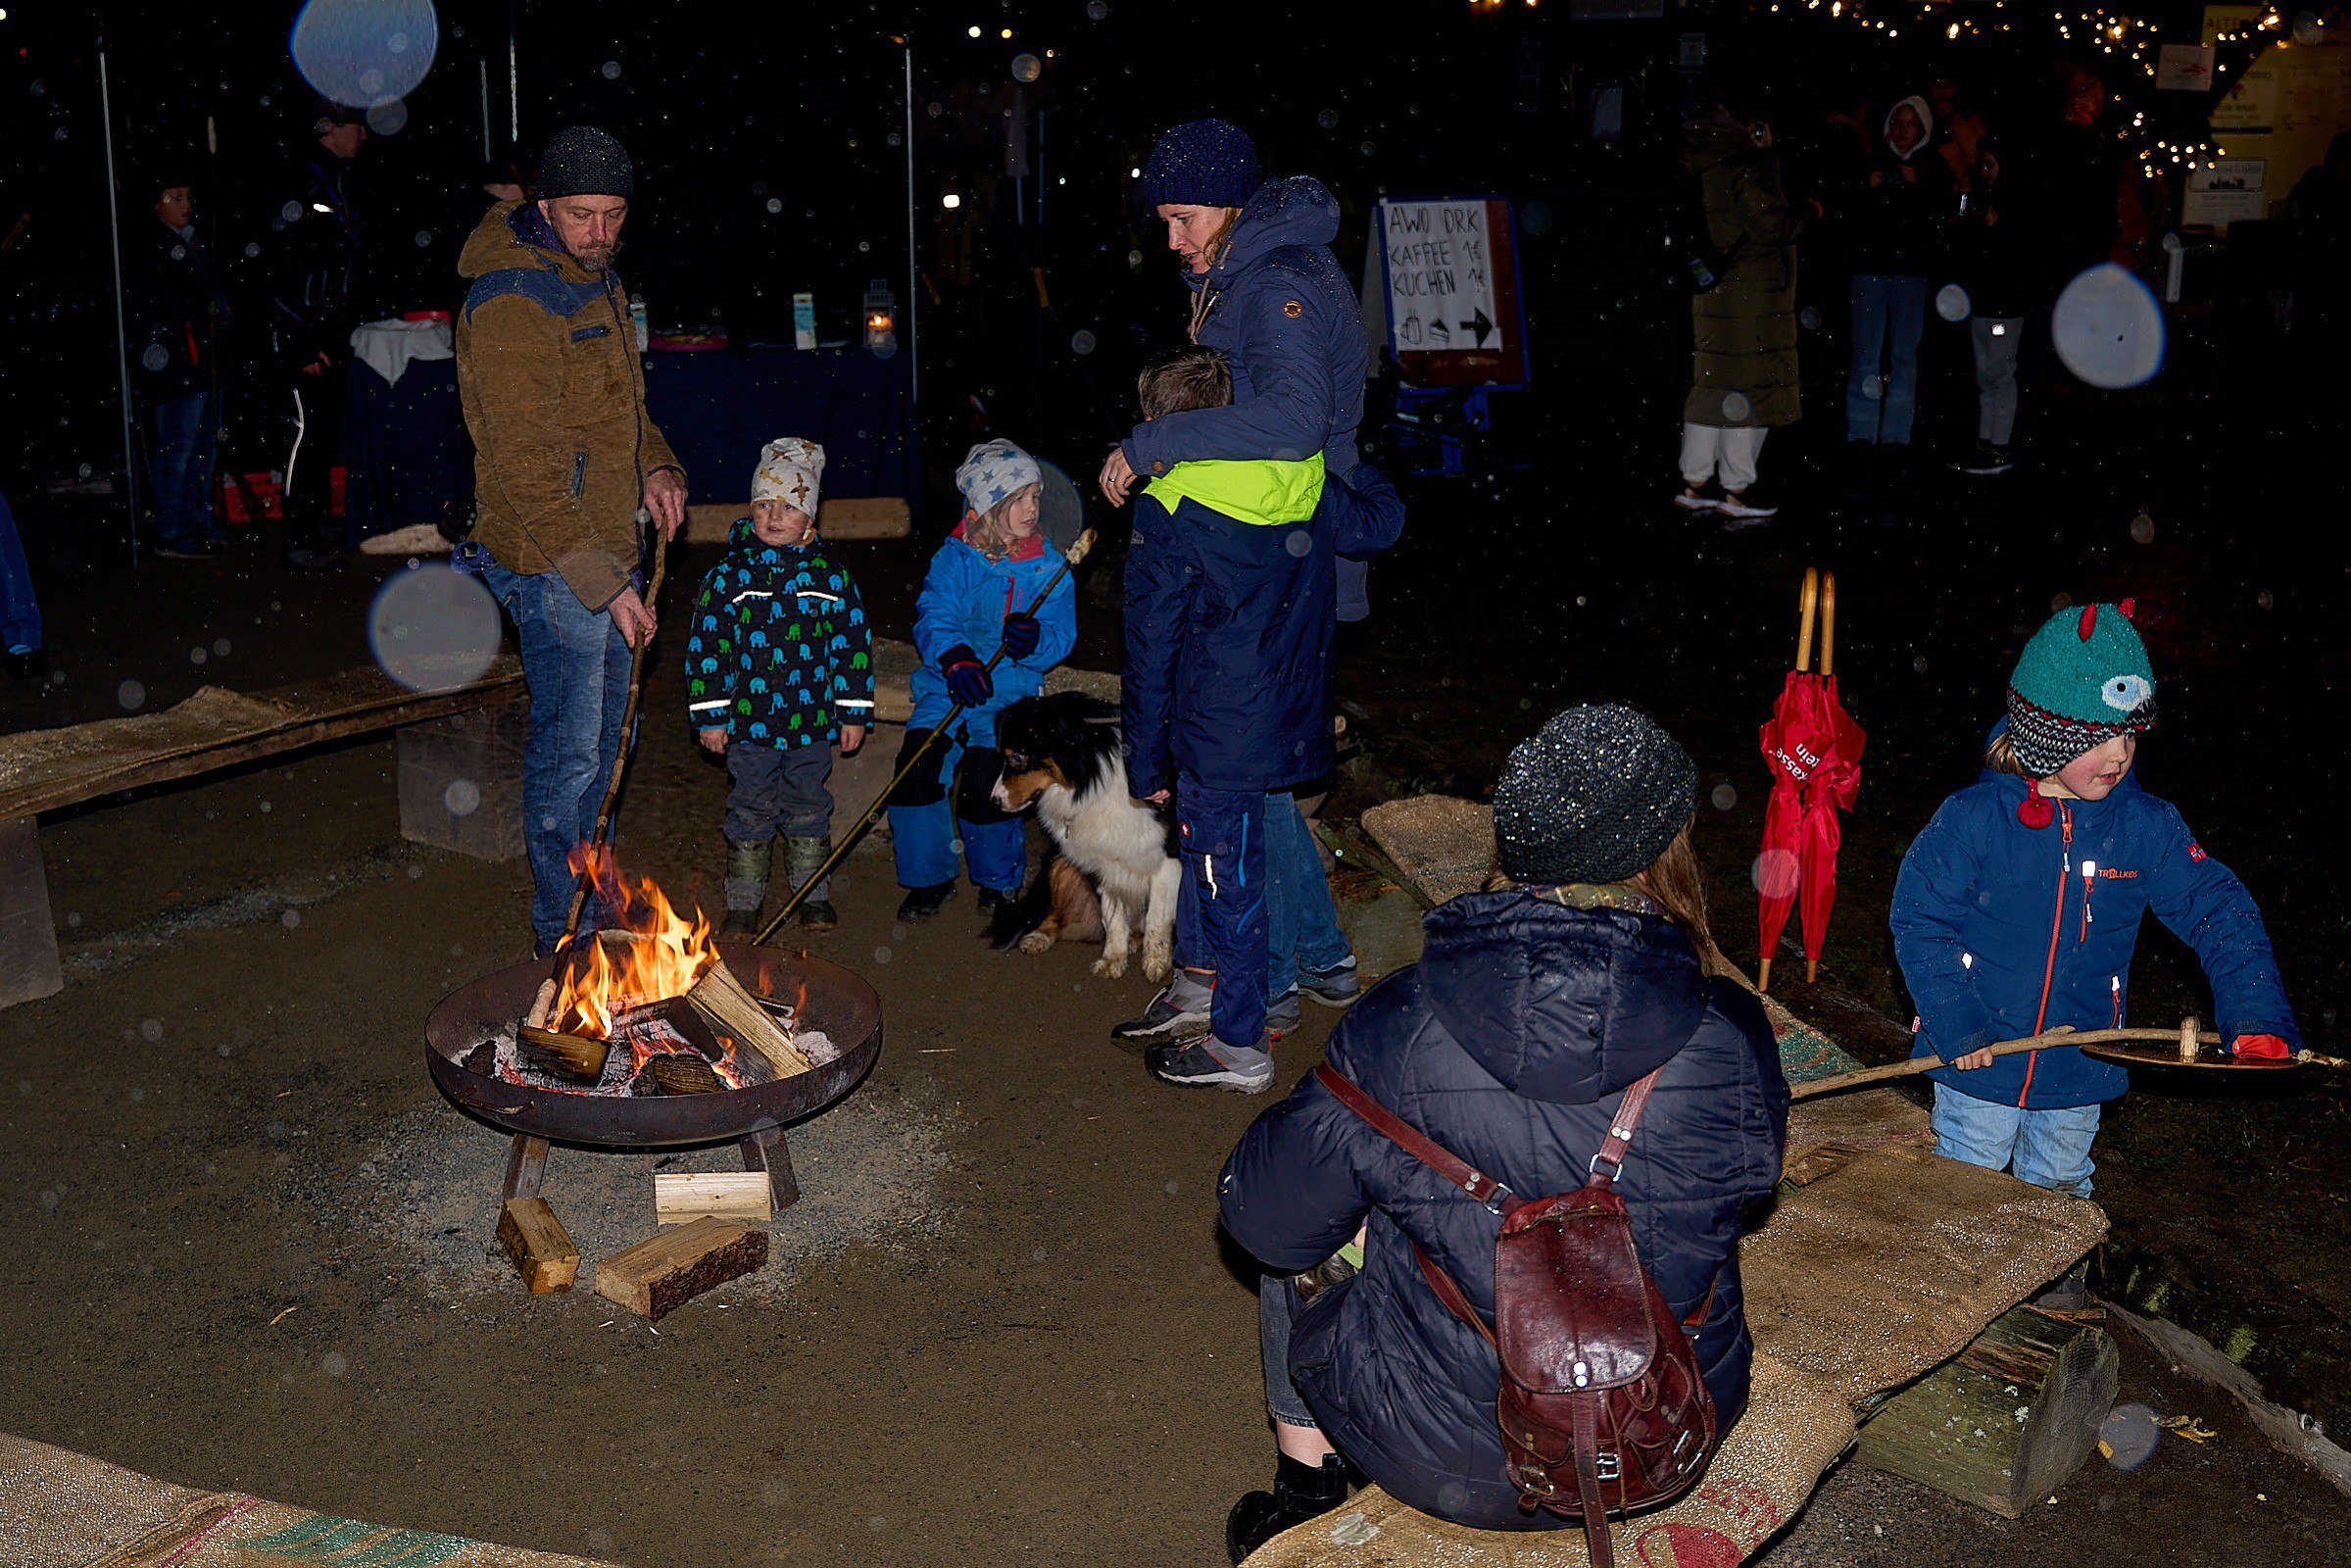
1602	1408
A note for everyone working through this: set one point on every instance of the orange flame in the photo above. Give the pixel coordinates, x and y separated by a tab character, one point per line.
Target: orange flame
647	953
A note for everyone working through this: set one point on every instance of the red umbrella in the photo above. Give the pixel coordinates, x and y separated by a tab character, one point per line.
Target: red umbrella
1813	748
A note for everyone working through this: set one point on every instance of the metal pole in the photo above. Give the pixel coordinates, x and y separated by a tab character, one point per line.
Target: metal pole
914	267
513	82
487	153
114	227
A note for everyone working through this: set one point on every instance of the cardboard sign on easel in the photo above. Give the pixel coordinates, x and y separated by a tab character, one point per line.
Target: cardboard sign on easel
1445	287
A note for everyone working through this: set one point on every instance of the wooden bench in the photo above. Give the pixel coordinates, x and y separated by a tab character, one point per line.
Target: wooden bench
470	733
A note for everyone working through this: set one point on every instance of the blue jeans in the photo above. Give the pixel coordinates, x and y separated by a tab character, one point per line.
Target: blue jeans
575	664
1888	314
2049	1148
1302	923
1223	925
20	613
186	451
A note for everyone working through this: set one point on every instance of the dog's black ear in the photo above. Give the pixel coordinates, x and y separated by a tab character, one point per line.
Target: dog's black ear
1017	917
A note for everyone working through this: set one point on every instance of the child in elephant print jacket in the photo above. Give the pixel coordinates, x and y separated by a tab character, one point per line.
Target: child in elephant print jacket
779	661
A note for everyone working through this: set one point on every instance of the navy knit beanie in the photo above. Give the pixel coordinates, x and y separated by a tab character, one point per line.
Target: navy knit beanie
1202	163
582	161
1598	794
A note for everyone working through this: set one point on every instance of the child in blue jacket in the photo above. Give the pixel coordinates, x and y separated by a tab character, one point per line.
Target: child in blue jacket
2017	907
1229	608
977	598
778	662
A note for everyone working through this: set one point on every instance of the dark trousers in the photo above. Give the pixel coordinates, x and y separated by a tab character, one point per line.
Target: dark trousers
1222	837
185	452
778	790
315	449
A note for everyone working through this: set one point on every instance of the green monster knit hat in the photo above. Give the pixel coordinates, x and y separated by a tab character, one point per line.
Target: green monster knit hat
2083	678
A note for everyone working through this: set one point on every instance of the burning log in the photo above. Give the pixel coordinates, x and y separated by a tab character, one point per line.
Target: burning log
483	1059
660	1274
574	1056
738	1194
721	997
541	1005
539	1247
678	1073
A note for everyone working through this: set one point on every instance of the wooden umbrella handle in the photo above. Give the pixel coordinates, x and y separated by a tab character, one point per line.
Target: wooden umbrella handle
1807	603
1829	623
2039	1042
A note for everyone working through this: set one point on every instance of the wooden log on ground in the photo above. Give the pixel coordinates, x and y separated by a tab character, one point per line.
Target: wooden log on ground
2003	1423
682	1196
29	965
538	1244
655	1276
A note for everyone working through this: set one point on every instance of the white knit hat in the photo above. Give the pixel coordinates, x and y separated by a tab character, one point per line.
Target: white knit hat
993	471
790	470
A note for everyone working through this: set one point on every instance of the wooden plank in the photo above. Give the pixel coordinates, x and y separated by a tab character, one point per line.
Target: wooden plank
538	1246
660	1274
28	963
837	518
2006	1420
52	769
682	1196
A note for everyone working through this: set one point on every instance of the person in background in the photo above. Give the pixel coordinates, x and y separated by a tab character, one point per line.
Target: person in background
779	661
1997	260
564	457
1535	1003
178	316
21	642
1898	214
976	598
1960	131
1744	376
317	264
1990	952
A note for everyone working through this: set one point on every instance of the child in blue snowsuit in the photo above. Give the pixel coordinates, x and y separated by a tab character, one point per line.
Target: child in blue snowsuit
1231	591
2017	910
778	662
976	599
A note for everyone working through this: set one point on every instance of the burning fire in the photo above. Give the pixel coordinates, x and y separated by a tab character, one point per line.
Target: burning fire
648	952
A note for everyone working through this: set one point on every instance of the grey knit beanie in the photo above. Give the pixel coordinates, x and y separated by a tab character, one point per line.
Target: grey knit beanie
1595	796
583	161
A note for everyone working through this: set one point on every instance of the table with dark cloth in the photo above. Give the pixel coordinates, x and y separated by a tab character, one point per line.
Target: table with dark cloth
720	407
405	452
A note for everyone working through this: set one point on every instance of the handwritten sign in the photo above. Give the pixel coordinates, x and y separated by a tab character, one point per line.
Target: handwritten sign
1449	289
2228	190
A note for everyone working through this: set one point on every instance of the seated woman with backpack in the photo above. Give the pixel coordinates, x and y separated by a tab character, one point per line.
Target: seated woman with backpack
1582	974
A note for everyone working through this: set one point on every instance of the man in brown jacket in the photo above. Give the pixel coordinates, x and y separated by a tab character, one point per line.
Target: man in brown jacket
566	455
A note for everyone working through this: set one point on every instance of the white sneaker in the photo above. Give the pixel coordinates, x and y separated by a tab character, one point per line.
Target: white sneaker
1696	499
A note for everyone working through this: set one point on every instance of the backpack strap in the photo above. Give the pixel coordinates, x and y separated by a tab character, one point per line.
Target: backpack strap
1496	1198
1621	1128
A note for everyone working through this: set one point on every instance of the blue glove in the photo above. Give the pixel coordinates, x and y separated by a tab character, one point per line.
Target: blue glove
967	680
1021	633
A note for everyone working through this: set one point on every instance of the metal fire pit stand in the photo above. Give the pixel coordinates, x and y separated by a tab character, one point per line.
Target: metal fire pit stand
766	1149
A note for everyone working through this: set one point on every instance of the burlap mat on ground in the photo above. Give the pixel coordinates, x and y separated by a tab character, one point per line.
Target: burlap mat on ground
894	664
1793	1428
61	1509
1444	846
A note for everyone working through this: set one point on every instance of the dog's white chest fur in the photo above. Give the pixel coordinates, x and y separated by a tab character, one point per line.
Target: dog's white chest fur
1120	844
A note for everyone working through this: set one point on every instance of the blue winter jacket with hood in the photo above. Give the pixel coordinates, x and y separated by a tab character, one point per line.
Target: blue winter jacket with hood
1287	319
1230	616
1511	1044
2004	930
964	599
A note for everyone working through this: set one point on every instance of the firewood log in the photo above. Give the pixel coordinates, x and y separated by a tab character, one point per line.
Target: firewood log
538	1246
572	1056
720	998
671	1268
680	1073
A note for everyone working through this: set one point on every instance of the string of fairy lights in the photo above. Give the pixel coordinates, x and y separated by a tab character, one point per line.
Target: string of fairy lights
2119	38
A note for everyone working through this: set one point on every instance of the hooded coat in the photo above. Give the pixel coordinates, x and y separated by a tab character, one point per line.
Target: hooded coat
1899	221
2004	930
178	307
1286	317
1511	1044
553	394
778	653
1744	327
964	600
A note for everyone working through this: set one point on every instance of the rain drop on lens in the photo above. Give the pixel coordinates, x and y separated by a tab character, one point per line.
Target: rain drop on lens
612	71
154	356
388	118
1298	542
131	695
1096	10
1724	797
1327	119
433	630
463	798
2266	599
1081	341
364	50
776	204
2143	530
1951	303
1917	666
424	238
1809	319
1736	405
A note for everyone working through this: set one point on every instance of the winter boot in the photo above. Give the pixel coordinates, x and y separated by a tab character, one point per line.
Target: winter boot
803	859
747	866
1300	1493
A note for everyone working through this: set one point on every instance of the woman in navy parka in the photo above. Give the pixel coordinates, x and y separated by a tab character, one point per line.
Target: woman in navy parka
1511	1043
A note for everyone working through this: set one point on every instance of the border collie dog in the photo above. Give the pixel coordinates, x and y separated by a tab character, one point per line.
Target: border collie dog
1114	866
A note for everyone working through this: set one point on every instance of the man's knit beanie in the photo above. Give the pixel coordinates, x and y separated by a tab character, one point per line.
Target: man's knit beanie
583	161
1202	163
2083	678
1594	797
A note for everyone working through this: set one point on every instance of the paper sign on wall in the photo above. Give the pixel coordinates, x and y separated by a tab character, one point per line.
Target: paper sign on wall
2230	190
2184	67
1440	274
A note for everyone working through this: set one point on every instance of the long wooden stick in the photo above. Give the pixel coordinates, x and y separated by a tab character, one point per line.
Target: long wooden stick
628	736
1807	603
849	840
2039	1042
